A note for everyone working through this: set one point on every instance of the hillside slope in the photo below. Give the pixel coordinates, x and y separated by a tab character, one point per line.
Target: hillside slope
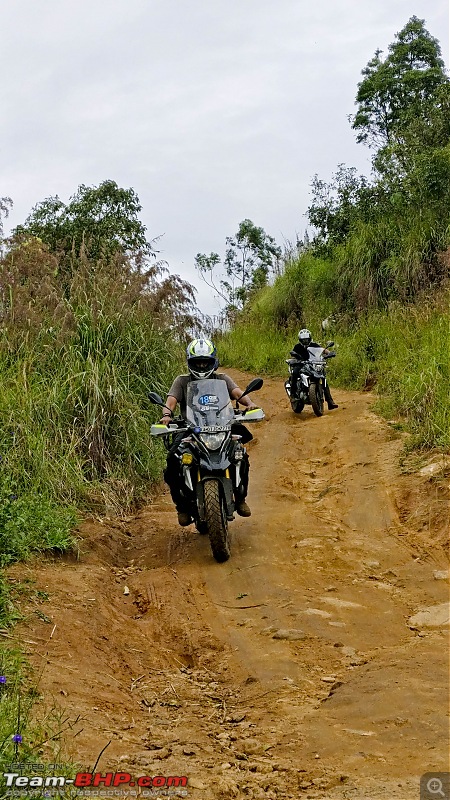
292	670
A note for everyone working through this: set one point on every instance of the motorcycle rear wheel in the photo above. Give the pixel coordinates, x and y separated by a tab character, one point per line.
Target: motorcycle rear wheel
216	521
316	398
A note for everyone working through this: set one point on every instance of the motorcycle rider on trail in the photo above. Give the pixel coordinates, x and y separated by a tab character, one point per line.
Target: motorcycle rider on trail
303	354
202	364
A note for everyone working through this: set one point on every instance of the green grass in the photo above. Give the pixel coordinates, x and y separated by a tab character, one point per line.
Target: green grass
75	418
401	353
42	729
254	348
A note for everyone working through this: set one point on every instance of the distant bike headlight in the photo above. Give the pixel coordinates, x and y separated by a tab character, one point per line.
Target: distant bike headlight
212	440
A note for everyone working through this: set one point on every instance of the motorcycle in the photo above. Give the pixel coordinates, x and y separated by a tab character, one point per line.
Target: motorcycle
210	455
311	380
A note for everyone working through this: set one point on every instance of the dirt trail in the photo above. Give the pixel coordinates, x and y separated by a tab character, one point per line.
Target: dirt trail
293	670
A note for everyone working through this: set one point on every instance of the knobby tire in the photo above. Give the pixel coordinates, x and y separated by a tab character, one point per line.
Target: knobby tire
316	398
297	405
216	521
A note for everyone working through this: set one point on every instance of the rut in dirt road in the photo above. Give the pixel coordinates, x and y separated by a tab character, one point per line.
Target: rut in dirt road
298	668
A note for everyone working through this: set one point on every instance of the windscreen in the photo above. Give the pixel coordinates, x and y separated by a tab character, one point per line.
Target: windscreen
315	353
208	403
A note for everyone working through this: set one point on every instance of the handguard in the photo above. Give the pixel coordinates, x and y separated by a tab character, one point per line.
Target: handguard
160	430
254	415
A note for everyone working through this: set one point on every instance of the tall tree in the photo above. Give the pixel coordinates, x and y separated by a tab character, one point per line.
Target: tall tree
251	254
400	88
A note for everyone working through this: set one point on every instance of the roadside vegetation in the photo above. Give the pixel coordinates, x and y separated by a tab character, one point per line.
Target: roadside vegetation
90	321
377	267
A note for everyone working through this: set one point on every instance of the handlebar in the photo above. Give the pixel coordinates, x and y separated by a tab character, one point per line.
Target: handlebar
250	415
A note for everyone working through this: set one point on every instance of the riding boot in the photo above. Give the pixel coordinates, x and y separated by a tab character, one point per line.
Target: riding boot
240	492
328	398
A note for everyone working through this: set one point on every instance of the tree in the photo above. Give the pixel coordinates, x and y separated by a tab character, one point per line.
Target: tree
208	267
399	89
103	220
250	256
337	204
5	205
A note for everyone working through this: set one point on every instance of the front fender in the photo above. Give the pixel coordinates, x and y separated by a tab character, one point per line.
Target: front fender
227	488
216	461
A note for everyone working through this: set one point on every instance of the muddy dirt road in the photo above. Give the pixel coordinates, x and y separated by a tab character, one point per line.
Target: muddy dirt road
297	669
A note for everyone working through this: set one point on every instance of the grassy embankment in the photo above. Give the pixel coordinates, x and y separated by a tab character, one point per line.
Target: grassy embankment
78	354
400	349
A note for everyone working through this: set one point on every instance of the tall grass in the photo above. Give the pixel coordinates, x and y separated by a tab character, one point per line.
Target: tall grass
390	258
305	290
77	360
255	348
78	356
401	353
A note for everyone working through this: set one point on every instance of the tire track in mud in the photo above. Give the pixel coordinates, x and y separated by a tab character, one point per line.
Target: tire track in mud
289	671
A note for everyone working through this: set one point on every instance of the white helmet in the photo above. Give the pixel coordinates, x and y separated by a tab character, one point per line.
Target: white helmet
305	337
201	358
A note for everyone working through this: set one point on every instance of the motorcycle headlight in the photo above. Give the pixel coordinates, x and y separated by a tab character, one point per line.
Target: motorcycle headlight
212	440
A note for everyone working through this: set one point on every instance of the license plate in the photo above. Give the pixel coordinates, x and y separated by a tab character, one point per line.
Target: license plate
213	429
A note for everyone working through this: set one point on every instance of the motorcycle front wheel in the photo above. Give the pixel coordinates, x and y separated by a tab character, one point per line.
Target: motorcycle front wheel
216	521
316	398
297	405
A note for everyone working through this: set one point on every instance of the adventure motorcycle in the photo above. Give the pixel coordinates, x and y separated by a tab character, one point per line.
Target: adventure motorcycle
210	455
311	379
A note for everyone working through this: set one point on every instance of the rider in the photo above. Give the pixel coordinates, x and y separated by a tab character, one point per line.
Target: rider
202	364
303	354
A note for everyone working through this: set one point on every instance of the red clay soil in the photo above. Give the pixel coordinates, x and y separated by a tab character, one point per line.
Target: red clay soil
299	668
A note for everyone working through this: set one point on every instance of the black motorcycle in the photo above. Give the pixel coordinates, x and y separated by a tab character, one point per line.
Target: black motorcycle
210	455
311	379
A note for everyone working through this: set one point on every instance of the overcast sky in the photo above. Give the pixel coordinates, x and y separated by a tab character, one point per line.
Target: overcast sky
212	110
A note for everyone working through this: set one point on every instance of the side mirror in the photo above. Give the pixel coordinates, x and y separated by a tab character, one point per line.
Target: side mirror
158	401
155	399
253	386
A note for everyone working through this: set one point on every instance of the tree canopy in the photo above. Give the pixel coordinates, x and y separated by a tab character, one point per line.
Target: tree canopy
400	88
102	219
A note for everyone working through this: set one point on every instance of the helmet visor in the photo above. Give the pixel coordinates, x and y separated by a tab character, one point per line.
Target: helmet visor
201	366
